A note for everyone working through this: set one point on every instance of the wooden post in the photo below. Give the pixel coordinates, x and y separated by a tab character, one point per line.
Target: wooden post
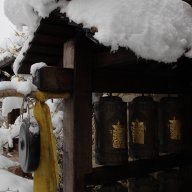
77	117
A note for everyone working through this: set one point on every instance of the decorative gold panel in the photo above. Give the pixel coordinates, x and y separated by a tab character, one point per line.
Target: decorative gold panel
138	132
175	128
118	136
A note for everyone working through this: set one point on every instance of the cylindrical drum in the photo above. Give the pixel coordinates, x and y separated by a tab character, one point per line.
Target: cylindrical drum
170	125
143	137
110	114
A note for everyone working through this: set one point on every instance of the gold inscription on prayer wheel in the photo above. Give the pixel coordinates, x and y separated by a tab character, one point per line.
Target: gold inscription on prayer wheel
138	132
175	129
118	136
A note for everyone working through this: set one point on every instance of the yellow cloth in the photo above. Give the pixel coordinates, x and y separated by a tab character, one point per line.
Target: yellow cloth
46	175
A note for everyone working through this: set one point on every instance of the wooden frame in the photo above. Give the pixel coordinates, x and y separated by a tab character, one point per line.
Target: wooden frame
96	69
77	155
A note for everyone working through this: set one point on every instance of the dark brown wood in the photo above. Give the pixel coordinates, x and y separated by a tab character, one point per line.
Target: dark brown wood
187	101
102	175
107	80
35	58
110	59
77	120
57	30
48	40
54	79
13	115
45	50
126	59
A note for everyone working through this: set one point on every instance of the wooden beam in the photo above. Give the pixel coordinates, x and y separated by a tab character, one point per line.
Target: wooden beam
54	79
138	82
115	59
35	58
49	95
103	175
68	54
47	40
77	117
58	30
45	50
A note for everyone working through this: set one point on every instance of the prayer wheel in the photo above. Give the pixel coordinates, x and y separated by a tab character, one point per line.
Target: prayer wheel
170	125
143	142
29	146
110	114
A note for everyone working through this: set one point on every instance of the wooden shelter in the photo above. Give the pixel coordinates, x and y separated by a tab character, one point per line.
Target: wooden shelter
64	44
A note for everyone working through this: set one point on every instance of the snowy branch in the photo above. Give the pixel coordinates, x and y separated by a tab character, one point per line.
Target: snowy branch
10	93
14	93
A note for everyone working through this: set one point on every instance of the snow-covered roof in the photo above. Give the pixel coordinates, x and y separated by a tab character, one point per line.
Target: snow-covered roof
152	29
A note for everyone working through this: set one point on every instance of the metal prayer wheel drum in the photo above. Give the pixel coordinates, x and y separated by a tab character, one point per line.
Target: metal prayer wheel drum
143	137
29	146
171	124
110	114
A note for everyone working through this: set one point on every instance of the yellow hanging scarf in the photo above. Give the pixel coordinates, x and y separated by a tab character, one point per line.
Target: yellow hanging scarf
46	176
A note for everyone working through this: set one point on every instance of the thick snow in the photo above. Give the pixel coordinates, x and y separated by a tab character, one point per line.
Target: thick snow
21	53
153	29
11	181
5	138
20	13
7	29
23	87
5	163
14	182
36	66
10	103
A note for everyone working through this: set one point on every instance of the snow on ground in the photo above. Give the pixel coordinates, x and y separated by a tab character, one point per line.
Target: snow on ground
11	181
5	163
14	182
